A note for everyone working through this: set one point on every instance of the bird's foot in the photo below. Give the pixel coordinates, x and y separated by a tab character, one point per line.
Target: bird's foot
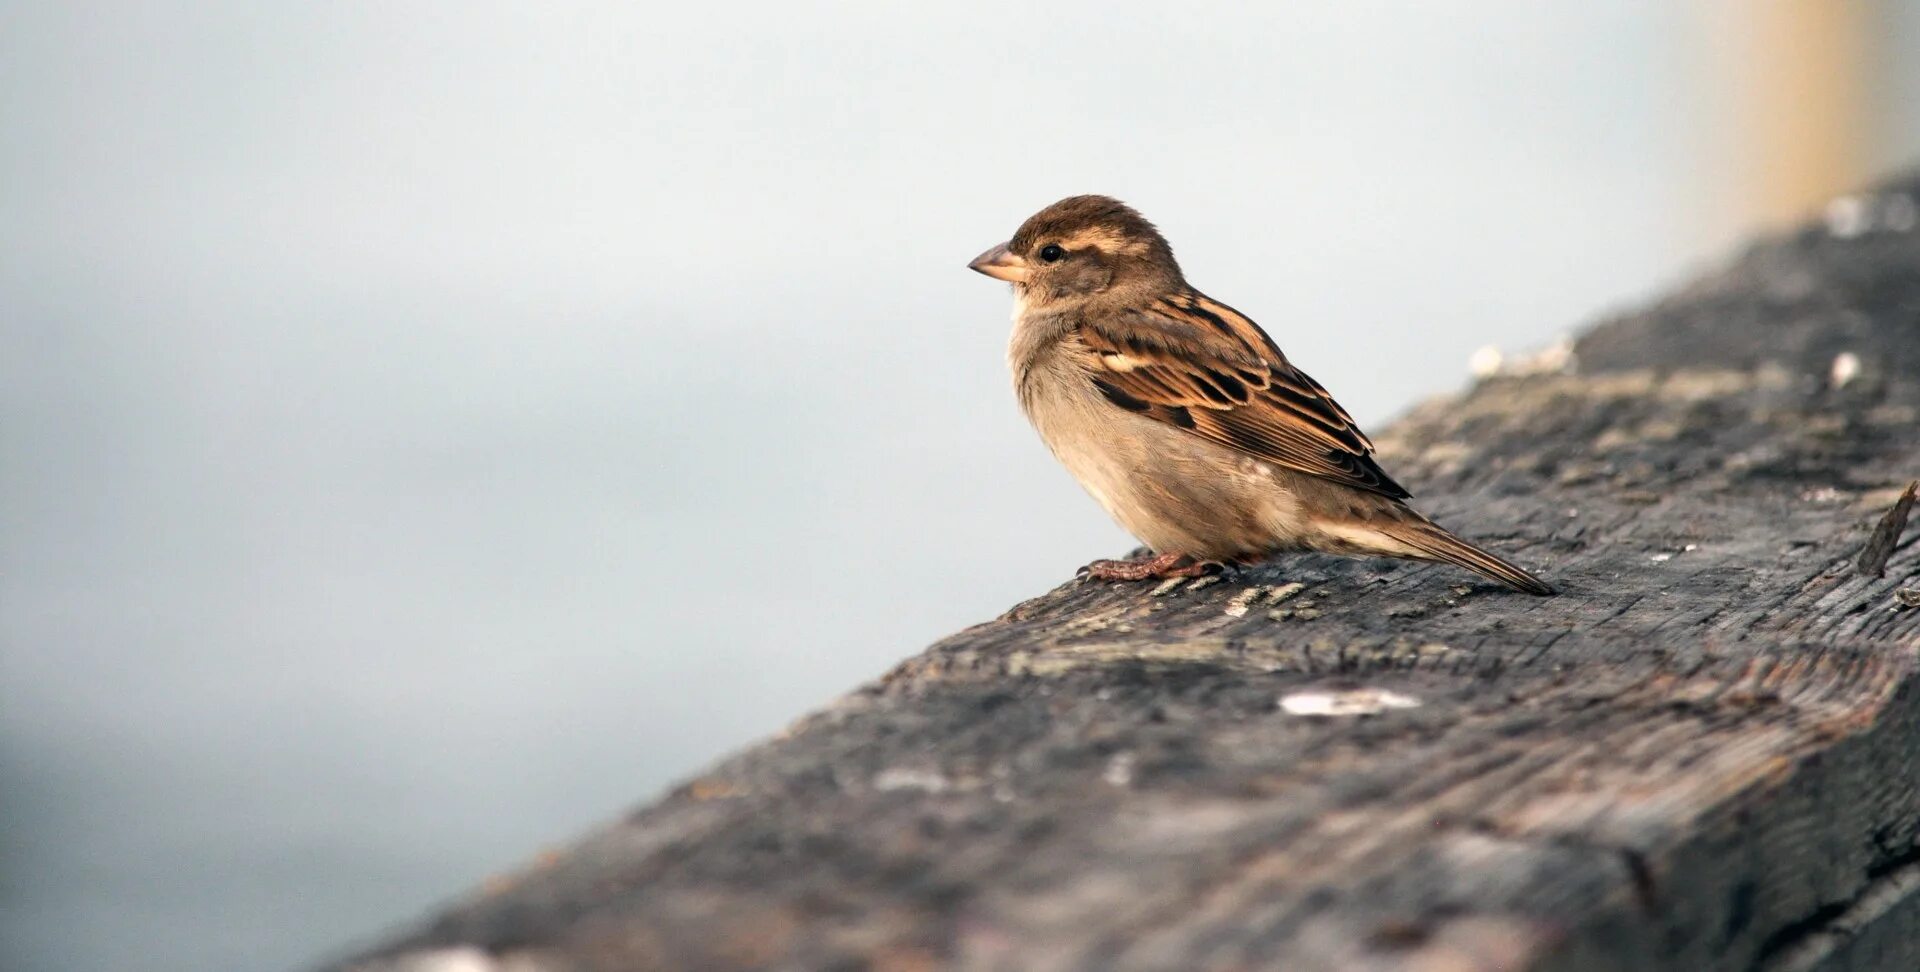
1151	568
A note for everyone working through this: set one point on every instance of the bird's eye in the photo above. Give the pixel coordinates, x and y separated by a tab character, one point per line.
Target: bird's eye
1052	253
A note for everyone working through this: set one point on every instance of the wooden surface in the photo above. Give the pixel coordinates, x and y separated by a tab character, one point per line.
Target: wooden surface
1703	755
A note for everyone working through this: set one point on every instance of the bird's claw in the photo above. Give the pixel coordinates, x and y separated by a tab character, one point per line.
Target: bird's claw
1151	568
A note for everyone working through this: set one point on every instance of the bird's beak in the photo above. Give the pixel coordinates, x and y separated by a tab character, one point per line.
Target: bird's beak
1002	264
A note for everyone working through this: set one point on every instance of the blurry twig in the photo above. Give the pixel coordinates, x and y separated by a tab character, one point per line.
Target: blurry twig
1879	548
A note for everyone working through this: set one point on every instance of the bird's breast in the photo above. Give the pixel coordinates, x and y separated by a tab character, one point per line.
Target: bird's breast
1173	490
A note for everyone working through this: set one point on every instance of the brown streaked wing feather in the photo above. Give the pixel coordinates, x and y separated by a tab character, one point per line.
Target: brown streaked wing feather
1199	365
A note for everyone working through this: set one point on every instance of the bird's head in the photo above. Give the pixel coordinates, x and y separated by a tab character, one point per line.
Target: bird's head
1082	249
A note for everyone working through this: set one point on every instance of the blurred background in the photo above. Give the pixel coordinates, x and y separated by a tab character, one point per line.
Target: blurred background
429	429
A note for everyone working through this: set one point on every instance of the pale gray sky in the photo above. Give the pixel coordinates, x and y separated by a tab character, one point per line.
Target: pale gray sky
431	428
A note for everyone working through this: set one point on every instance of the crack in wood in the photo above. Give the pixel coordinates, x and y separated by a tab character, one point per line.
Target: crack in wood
1891	898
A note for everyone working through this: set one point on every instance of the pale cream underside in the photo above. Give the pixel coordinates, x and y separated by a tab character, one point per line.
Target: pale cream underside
1173	490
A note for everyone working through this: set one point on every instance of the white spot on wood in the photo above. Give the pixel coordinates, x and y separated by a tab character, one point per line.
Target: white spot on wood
1285	591
1848	217
1167	586
905	778
1846	367
1485	363
1352	702
1119	770
1243	601
464	958
1661	558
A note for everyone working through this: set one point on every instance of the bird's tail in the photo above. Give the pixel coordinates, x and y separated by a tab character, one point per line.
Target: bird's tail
1433	542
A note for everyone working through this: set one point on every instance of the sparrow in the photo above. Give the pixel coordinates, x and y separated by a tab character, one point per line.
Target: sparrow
1184	419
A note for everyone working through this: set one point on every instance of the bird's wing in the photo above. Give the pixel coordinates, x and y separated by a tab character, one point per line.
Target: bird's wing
1202	366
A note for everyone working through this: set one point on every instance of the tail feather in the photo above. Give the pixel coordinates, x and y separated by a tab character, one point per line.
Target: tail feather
1436	543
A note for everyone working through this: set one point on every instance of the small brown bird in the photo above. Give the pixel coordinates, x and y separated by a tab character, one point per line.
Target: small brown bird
1182	417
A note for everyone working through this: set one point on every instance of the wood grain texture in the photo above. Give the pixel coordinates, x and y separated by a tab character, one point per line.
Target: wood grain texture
1703	755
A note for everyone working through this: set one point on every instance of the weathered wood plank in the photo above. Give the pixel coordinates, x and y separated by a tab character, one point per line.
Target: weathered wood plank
1703	755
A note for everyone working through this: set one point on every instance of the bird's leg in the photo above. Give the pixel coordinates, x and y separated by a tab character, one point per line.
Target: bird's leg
1151	568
